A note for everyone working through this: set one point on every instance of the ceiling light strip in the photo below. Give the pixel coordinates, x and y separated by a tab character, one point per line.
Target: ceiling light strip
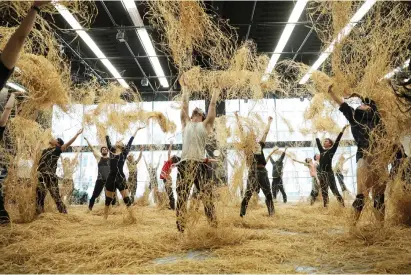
361	12
90	43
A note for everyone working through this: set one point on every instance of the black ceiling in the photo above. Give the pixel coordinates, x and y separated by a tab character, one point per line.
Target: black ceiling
260	21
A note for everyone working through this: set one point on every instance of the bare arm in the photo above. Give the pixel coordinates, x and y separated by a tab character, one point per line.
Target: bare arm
66	145
169	151
301	162
240	127
13	47
267	129
336	99
96	153
184	104
140	155
209	121
7	110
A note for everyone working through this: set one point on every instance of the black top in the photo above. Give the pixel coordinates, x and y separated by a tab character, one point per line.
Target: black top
362	123
117	161
48	160
326	155
103	168
278	166
5	74
259	159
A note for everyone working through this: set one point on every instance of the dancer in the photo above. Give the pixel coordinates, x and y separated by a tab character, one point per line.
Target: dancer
315	182
69	167
166	176
192	169
152	177
132	173
363	121
277	184
339	170
103	164
257	173
116	178
8	60
47	173
326	176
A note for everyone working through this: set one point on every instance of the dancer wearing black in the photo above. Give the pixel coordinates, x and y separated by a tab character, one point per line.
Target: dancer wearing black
116	178
103	164
132	173
8	60
257	173
326	176
47	173
364	120
277	184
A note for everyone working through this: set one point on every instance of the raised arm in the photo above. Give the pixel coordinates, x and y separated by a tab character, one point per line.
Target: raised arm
319	146
169	151
240	127
7	110
267	129
283	155
96	153
13	47
145	161
337	141
301	162
158	163
140	155
269	156
109	146
74	161
184	104
211	115
66	145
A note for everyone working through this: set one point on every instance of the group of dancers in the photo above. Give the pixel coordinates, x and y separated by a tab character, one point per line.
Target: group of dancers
193	167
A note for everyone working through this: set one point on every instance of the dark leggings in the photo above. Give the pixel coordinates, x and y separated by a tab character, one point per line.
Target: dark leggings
327	179
132	186
169	190
257	178
48	182
4	216
115	181
340	178
189	173
98	188
277	185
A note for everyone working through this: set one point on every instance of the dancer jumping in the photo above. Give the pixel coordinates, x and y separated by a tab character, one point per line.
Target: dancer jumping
277	183
116	178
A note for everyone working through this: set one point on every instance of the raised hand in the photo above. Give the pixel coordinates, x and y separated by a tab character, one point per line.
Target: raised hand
79	132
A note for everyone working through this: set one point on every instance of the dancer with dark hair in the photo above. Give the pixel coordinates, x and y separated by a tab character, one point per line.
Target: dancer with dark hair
191	169
47	173
8	60
103	164
326	176
132	173
364	120
116	178
257	173
166	176
277	183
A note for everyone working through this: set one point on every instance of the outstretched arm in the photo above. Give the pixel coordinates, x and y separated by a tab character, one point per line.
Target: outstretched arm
269	156
7	110
140	155
337	141
209	121
301	162
109	146
283	155
267	129
66	145
320	147
240	127
13	47
184	104
74	161
96	153
169	151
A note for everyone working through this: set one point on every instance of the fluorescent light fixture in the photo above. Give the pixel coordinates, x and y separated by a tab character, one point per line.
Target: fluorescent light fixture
285	36
396	70
15	86
361	12
145	39
90	43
